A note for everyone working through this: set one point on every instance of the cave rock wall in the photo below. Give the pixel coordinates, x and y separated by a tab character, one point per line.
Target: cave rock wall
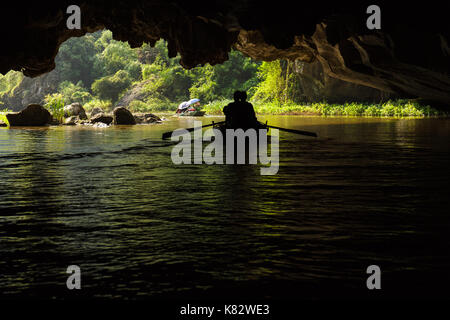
409	56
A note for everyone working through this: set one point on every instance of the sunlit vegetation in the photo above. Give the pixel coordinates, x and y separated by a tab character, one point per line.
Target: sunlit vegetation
55	105
398	108
10	81
8	84
74	92
109	87
105	105
98	71
3	118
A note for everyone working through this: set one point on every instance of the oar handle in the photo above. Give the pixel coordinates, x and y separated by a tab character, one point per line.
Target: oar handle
168	134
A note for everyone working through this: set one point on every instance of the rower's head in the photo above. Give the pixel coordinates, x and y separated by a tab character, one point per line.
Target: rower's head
240	96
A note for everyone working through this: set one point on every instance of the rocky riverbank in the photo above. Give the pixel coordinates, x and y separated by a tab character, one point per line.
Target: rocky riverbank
75	114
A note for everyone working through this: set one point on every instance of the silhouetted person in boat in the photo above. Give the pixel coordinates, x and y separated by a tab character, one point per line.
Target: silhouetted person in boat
240	113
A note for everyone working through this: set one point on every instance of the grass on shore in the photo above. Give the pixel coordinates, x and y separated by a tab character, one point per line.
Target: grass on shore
398	108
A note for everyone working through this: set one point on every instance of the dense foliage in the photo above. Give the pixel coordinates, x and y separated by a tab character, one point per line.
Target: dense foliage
97	70
3	118
74	92
109	87
55	104
399	108
8	83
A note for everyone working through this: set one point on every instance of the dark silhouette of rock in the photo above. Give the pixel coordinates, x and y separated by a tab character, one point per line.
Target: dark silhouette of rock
96	110
316	85
32	115
145	118
54	122
122	115
75	109
101	117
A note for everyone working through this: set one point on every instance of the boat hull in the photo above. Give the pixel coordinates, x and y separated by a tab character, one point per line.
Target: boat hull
222	128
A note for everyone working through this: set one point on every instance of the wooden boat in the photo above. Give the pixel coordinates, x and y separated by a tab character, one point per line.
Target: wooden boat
250	151
223	126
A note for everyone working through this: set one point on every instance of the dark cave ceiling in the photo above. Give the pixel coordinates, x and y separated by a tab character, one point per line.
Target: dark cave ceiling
409	55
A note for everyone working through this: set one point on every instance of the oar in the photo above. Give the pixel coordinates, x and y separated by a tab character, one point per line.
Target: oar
167	135
305	133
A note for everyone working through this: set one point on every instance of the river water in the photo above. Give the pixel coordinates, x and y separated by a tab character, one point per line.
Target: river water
368	191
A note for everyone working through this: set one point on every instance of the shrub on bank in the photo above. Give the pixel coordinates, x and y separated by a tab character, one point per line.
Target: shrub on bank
152	105
105	105
55	103
399	108
215	107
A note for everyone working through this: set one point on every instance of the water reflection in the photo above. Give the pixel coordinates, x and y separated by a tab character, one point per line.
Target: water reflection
368	191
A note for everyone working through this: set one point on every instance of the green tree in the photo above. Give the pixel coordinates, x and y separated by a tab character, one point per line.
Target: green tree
204	87
220	81
166	82
117	55
271	86
74	92
110	87
237	73
77	60
96	67
280	82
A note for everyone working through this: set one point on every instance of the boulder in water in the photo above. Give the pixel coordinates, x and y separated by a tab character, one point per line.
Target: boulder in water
75	109
71	121
32	115
96	110
122	115
101	117
145	118
54	122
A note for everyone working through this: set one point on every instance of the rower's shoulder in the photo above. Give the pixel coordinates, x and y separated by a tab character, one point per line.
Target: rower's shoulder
229	106
248	105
